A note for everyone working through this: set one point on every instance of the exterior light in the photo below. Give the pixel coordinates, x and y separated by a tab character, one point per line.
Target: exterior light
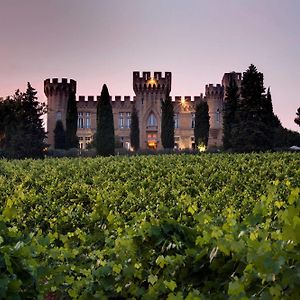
182	101
201	147
152	81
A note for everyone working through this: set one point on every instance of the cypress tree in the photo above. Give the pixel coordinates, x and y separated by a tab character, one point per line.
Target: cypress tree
134	130
71	122
105	136
229	112
201	129
252	130
167	123
59	135
297	119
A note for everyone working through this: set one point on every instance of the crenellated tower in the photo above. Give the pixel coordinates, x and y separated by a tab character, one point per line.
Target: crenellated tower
57	93
150	90
214	95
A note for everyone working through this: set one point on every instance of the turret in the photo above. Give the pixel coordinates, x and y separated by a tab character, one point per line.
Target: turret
231	76
152	84
57	93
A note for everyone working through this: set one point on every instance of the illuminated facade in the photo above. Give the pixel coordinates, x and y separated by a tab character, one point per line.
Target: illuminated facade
149	90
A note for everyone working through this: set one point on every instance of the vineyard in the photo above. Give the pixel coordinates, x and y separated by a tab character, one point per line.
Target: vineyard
212	226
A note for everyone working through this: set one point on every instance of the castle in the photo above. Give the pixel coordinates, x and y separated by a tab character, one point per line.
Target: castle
149	91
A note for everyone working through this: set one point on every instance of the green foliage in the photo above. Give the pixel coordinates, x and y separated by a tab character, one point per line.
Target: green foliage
71	123
21	126
158	227
59	135
297	119
254	122
134	130
229	113
201	130
105	136
167	123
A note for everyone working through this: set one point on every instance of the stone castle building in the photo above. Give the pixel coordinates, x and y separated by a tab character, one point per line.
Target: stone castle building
149	91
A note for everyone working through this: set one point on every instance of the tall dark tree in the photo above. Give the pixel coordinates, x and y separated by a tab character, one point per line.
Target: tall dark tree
229	112
297	119
167	123
22	129
252	132
105	136
201	130
59	135
134	130
71	122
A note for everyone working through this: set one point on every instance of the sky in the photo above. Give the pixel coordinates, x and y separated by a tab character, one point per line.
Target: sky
104	41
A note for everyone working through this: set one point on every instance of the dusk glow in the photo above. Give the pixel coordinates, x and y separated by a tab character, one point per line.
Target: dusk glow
97	42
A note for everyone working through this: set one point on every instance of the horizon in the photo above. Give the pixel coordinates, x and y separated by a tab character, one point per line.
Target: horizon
96	42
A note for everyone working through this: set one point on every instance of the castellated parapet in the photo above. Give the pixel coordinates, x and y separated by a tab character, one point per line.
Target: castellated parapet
55	87
237	77
214	91
149	84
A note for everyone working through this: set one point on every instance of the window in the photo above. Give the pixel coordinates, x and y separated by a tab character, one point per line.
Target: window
88	120
58	115
193	120
218	116
128	120
152	136
176	120
80	120
152	120
121	120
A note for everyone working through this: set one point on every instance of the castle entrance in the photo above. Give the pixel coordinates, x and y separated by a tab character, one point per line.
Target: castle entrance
152	140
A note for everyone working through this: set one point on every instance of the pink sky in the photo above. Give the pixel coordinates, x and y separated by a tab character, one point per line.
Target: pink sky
96	42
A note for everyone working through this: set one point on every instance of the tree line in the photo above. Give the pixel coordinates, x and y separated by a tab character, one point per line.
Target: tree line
249	122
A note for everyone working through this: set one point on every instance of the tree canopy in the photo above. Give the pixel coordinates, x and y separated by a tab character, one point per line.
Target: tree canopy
229	113
254	114
297	119
21	127
105	136
167	123
134	130
71	123
201	130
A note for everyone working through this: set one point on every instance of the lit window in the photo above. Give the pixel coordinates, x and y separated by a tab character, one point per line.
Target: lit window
193	120
80	120
58	115
152	120
121	120
128	120
88	120
176	120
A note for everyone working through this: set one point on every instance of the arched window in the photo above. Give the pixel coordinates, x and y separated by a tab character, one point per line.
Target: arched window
152	120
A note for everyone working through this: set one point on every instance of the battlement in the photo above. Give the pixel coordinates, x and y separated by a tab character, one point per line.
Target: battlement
186	99
232	76
150	83
112	99
214	90
54	86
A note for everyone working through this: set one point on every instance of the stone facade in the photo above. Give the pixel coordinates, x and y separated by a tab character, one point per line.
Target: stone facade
149	91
